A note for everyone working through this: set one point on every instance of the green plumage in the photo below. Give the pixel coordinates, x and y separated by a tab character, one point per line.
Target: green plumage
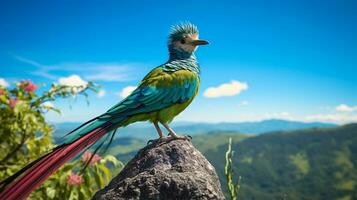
163	93
160	97
174	92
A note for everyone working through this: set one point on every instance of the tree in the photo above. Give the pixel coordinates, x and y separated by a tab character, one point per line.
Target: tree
25	135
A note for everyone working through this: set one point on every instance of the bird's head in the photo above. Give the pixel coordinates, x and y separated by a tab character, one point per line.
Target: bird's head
184	38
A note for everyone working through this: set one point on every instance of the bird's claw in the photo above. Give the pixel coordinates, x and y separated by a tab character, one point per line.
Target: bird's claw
159	140
149	142
188	137
179	137
170	138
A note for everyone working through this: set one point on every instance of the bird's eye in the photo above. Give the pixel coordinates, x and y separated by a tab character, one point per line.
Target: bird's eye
183	41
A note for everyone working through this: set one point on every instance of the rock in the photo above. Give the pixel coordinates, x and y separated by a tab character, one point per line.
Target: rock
174	170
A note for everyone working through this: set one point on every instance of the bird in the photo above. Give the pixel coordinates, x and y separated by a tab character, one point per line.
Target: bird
160	96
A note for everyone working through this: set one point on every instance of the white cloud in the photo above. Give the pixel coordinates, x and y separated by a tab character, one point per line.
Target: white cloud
110	71
278	115
226	89
42	70
72	81
4	83
341	114
339	118
101	93
28	61
47	104
126	91
346	108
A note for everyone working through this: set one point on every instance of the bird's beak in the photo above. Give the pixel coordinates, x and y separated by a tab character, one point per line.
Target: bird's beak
200	42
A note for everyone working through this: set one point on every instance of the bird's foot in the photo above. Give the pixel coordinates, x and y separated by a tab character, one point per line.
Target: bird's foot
151	142
179	137
170	138
159	140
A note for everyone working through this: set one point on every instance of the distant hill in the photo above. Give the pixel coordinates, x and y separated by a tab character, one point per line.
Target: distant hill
311	163
125	148
146	130
314	163
258	127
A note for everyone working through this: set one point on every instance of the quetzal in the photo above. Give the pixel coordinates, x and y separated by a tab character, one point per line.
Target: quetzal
163	93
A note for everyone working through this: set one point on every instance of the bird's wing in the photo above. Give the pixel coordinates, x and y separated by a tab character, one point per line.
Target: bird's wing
158	90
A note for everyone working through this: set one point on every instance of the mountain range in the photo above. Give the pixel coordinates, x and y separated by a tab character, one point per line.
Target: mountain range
147	131
310	163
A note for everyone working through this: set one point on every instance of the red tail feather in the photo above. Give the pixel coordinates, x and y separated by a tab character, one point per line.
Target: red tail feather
34	176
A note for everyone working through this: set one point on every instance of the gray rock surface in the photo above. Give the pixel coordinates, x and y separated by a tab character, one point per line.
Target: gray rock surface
174	170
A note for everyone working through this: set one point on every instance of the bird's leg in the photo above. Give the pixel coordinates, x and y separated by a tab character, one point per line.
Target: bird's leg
157	127
159	131
173	135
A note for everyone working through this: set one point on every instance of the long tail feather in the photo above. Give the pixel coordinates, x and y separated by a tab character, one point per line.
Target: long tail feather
27	179
110	141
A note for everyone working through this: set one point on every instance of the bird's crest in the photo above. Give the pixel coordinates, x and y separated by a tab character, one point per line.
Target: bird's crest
180	30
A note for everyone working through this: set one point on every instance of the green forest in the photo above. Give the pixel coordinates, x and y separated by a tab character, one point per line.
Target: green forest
313	163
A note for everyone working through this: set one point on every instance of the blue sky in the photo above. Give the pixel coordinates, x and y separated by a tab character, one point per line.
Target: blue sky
289	59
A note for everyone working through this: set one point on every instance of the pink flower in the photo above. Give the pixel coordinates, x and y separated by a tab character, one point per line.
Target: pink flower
74	179
13	102
29	86
87	155
2	91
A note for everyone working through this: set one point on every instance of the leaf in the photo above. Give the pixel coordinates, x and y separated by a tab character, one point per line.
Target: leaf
98	179
111	159
67	167
3	98
50	192
74	194
106	172
25	128
84	193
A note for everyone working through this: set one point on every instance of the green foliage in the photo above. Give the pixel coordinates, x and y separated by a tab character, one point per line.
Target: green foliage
301	162
233	188
69	183
213	140
25	135
315	163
